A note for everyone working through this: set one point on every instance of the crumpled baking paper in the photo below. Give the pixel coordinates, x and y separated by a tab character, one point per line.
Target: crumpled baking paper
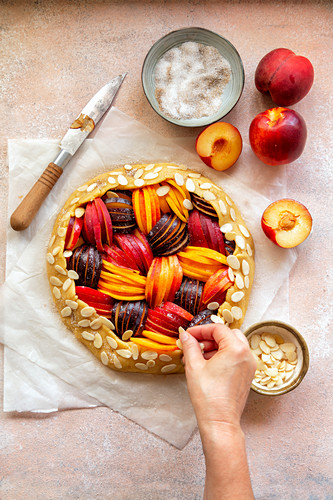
46	368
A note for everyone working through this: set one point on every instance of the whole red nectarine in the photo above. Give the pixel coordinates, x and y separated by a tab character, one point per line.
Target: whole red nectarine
283	75
219	145
278	136
286	222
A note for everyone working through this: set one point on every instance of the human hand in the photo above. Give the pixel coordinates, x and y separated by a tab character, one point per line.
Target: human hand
219	380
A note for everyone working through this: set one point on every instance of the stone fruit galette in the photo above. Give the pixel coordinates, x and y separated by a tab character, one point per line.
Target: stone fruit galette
142	251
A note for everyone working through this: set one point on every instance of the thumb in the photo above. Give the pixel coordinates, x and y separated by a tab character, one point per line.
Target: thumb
191	349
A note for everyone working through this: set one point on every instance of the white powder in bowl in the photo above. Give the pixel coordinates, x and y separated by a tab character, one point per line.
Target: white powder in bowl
190	80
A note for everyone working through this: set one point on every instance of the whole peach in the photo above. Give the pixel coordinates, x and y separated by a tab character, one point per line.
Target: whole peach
278	136
283	75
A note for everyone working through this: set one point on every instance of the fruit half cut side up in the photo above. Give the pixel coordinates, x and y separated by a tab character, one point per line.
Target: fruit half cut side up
287	223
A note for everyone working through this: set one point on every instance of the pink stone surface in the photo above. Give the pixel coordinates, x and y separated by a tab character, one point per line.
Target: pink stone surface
54	56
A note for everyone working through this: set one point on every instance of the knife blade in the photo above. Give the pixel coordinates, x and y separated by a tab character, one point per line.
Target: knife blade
79	130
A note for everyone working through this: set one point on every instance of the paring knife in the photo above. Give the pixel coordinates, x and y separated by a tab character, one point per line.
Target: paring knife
72	140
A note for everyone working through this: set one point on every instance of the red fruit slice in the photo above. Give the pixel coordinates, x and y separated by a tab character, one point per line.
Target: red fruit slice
216	286
73	233
105	220
179	311
117	256
86	293
88	226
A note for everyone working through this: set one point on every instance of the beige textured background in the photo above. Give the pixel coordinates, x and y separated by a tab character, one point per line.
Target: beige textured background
54	56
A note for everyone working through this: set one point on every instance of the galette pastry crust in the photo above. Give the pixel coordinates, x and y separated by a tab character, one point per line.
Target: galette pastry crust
96	332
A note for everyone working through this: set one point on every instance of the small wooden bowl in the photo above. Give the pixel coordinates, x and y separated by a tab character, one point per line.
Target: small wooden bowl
290	334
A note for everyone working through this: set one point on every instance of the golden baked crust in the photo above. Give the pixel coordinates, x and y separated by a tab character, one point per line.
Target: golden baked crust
96	332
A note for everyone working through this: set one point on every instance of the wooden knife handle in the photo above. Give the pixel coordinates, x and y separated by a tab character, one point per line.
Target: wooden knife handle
32	202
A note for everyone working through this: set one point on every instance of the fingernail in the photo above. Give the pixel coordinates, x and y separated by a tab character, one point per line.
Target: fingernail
183	336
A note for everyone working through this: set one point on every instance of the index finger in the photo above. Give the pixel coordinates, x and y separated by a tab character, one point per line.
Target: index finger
218	333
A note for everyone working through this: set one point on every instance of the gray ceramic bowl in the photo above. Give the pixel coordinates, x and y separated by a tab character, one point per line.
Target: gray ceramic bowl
290	334
232	91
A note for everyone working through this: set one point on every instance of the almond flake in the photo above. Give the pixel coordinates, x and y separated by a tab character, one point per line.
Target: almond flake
237	296
270	341
165	358
139	182
277	354
245	267
168	368
66	311
209	196
223	208
111	180
50	258
60	270
194	175
151	175
56	250
227	315
124	353
247	282
73	274
67	284
72	304
104	358
205	185
288	347
56	292
122	180
291	356
107	323
212	306
112	342
233	262
188	204
82	188
75	200
96	324
98	341
240	241
264	347
128	167
158	169
151	363
226	228
87	335
244	231
86	312
84	323
237	312
231	274
141	366
270	384
179	179
162	190
138	173
233	214
91	187
149	355
135	351
190	186
249	250
68	253
79	212
254	341
55	281
216	319
150	166
127	335
239	281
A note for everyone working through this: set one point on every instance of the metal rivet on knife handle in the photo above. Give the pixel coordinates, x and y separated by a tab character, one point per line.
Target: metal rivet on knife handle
30	205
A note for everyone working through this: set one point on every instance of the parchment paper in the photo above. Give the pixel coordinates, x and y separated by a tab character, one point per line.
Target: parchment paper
42	354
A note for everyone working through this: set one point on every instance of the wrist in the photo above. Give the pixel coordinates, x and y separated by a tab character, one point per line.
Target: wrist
216	435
